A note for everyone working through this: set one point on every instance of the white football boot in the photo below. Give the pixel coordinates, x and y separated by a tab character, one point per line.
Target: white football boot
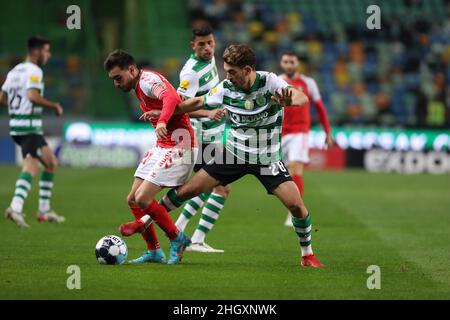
17	217
202	247
50	216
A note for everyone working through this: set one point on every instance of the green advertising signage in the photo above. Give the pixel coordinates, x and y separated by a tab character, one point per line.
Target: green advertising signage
124	133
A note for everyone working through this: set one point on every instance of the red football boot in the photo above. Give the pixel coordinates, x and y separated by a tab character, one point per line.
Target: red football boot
130	228
311	261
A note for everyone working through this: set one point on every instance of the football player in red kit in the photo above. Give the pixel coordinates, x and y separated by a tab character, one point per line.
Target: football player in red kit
168	164
296	122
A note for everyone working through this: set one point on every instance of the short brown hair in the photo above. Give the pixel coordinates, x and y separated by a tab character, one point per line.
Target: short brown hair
119	58
240	55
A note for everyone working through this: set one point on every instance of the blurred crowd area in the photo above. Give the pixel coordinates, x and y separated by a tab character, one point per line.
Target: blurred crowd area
395	76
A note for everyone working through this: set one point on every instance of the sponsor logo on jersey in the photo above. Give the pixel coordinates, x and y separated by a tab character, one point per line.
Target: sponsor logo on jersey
213	91
35	79
251	118
261	101
184	84
249	105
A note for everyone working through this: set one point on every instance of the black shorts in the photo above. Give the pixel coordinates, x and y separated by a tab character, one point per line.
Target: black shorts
31	144
206	154
271	176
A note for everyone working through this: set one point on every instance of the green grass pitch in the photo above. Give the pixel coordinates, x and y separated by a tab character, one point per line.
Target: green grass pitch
400	223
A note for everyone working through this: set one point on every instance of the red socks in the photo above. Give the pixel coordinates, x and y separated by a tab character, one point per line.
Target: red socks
159	214
299	182
151	238
149	234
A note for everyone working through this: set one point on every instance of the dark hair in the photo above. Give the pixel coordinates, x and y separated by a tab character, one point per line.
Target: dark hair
240	55
119	58
36	42
200	31
289	53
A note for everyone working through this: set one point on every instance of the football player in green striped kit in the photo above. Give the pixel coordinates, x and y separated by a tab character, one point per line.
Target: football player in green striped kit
23	93
198	76
254	101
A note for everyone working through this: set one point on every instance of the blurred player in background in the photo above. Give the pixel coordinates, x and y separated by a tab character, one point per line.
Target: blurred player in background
168	164
198	76
297	122
23	93
254	101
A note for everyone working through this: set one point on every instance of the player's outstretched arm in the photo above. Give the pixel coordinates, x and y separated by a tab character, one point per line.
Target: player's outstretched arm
190	105
323	118
187	106
199	113
36	98
216	114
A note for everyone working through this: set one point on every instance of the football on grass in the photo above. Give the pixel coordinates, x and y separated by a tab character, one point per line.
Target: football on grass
111	250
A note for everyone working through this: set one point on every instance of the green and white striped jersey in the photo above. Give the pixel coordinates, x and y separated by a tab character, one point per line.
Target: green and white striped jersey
255	134
25	118
196	79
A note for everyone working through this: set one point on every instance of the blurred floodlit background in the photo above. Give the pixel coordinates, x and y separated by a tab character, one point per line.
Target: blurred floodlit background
394	78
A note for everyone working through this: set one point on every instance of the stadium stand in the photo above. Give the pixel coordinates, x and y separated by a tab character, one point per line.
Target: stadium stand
396	76
393	77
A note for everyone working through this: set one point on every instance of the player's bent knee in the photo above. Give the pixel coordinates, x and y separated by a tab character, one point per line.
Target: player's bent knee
142	201
295	207
51	165
188	192
31	165
131	200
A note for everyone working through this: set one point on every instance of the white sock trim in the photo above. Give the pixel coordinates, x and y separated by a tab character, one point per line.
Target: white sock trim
17	204
206	224
210	213
198	201
168	203
146	220
306	250
44	205
190	209
303	230
198	237
45	193
46	184
215	203
24	183
21	192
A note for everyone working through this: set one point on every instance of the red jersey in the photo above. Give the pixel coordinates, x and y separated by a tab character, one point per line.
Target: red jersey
297	119
156	93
